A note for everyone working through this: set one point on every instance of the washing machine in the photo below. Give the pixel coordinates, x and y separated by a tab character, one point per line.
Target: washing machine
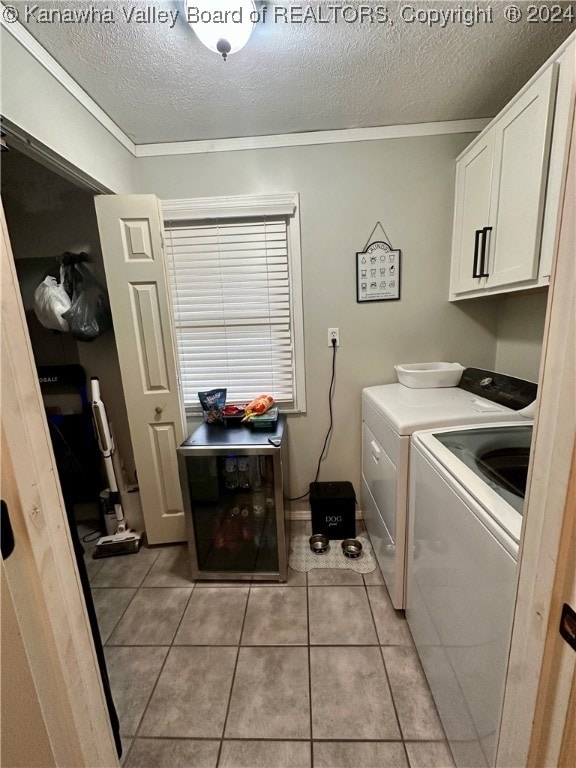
466	498
391	413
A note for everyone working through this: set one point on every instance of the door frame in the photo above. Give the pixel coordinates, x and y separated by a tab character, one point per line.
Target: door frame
541	665
41	572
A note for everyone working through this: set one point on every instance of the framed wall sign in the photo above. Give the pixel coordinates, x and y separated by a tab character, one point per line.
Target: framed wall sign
378	273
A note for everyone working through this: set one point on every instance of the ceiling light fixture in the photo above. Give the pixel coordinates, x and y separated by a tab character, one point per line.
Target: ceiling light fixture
223	26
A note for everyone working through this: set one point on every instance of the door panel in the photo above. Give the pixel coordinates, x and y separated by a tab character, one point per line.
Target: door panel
138	240
522	151
132	246
472	209
146	313
164	447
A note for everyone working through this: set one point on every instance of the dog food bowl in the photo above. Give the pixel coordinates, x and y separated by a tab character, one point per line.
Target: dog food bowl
318	543
351	548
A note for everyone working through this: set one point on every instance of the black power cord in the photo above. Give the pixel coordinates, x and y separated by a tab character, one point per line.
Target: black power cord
330	428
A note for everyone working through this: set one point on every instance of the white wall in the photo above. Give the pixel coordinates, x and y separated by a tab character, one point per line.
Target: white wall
34	101
520	333
407	184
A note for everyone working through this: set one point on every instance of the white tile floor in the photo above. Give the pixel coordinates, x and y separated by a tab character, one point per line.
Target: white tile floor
318	673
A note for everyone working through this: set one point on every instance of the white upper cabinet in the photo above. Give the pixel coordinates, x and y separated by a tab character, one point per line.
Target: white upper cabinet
500	195
521	155
473	179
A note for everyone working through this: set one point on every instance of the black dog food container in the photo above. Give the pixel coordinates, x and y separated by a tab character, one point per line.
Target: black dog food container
333	507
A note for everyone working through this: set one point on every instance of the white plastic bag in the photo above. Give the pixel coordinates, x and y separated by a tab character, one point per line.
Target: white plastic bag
50	302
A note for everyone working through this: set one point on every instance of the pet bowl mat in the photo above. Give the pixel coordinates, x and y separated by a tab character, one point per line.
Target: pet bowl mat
303	559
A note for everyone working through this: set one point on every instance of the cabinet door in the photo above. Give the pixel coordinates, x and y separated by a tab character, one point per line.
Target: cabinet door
521	153
472	209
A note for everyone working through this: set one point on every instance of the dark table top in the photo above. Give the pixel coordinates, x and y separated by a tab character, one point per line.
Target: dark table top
239	436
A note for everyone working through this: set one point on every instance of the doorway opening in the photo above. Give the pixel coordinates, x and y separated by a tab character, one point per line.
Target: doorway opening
47	215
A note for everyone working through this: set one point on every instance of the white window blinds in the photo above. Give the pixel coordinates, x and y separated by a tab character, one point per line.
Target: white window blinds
231	291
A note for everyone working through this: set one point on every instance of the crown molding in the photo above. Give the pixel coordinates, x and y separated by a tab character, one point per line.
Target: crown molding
311	138
46	60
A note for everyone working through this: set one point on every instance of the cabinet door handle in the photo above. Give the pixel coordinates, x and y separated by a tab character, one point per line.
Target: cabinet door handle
483	272
477	237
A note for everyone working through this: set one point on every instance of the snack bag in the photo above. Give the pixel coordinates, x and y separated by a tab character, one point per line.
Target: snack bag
259	405
213	403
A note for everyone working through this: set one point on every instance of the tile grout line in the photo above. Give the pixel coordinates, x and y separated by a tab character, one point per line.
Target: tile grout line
385	669
291	739
136	590
144	710
131	586
105	644
170	646
408	763
261	645
400	729
238	647
309	675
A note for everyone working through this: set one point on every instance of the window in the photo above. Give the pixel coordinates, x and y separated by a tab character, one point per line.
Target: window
235	281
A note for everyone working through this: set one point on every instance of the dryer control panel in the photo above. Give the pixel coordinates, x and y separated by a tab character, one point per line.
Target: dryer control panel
499	388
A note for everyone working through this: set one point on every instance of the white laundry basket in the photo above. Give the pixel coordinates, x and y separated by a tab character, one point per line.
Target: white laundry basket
429	375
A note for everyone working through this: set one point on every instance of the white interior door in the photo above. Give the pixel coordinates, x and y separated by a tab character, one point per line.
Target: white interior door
132	246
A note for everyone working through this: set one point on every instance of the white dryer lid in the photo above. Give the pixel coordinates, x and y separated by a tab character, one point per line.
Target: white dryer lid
408	410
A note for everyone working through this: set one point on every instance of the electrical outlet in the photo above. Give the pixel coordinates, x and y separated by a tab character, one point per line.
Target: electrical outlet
333	333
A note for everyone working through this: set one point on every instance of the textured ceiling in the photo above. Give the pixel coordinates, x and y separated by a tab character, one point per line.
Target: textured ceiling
160	84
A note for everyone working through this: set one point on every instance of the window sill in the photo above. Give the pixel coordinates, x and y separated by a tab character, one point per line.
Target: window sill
195	412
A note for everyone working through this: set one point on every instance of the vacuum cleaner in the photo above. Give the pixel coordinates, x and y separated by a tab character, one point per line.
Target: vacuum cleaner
124	541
